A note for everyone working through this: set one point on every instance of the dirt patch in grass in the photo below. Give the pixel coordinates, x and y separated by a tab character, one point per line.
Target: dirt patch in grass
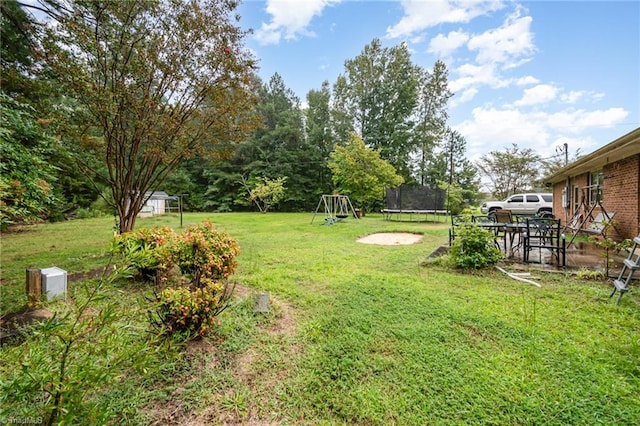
87	275
255	375
12	323
261	372
391	238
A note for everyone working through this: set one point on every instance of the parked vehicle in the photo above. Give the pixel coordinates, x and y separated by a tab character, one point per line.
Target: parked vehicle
523	204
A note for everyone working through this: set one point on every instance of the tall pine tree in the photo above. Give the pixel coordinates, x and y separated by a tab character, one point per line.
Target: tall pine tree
431	124
375	97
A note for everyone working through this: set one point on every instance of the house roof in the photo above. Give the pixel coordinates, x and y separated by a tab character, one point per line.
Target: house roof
621	148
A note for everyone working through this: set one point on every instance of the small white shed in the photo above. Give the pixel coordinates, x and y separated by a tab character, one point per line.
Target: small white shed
158	202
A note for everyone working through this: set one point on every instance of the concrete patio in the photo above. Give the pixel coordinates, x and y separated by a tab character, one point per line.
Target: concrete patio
579	255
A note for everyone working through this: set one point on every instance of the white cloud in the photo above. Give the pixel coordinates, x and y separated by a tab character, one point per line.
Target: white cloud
466	96
420	14
497	128
474	76
574	96
542	93
445	45
576	121
289	19
417	39
526	81
268	34
498	49
508	44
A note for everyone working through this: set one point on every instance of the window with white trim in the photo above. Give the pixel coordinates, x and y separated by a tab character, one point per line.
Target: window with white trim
596	179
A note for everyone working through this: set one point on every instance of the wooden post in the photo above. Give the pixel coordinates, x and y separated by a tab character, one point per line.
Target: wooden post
34	286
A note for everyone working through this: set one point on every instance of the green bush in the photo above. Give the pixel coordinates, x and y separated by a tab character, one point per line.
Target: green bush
206	257
204	254
55	374
147	250
590	274
88	213
186	313
474	248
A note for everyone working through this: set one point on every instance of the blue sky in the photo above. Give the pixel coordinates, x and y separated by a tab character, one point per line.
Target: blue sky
539	73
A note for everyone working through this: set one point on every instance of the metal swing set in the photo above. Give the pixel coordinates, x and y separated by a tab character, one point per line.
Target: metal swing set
336	207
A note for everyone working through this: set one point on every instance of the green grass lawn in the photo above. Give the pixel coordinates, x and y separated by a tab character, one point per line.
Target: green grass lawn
359	334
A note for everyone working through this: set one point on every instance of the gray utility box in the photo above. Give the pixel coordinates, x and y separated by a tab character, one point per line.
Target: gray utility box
54	282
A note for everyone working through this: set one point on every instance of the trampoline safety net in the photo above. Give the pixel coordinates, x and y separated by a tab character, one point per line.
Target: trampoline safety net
409	197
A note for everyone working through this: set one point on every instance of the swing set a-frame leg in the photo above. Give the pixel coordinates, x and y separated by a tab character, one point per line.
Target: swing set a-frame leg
317	208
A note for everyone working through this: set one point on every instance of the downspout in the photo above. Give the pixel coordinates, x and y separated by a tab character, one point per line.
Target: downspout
569	201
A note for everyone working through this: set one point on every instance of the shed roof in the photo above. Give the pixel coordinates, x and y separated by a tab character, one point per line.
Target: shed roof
621	148
159	195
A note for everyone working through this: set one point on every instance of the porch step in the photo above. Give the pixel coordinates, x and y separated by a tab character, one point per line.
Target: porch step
620	285
631	264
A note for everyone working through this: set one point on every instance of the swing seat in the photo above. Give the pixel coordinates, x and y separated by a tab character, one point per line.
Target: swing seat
598	224
336	207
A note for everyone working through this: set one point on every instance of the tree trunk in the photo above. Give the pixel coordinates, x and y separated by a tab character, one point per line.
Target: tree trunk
128	213
127	222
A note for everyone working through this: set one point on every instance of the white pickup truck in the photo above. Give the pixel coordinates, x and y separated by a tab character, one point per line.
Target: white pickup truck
525	204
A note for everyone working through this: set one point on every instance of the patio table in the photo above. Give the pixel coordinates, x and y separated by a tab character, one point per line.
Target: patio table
509	228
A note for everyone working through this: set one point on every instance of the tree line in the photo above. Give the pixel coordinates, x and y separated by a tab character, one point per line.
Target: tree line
103	101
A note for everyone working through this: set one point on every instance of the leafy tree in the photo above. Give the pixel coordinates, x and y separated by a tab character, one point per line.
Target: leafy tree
279	147
267	193
361	173
224	191
26	79
431	124
455	197
510	171
555	163
17	47
291	143
451	166
26	177
319	136
341	112
155	83
23	75
189	179
375	97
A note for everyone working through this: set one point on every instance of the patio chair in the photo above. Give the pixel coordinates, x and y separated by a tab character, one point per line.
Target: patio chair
544	234
456	220
503	216
507	233
489	222
482	219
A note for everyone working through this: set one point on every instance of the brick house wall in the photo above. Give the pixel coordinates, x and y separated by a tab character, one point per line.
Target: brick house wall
619	165
560	212
620	194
